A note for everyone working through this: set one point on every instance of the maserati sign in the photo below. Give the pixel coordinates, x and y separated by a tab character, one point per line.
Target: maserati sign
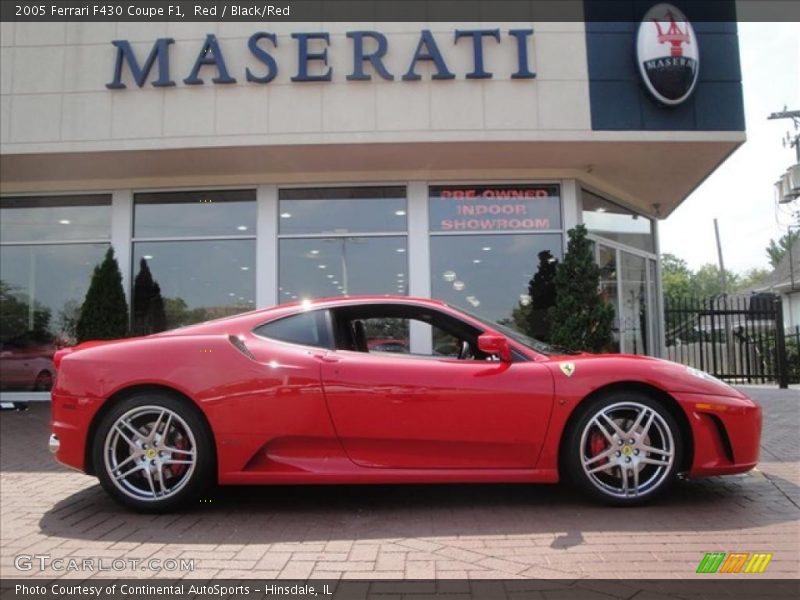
667	53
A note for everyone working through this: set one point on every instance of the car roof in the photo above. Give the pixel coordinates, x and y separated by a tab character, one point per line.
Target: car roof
253	317
330	301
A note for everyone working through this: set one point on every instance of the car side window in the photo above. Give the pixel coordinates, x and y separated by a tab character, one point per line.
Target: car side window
385	329
306	329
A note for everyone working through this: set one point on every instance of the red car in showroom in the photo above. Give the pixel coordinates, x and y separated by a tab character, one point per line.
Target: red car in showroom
294	395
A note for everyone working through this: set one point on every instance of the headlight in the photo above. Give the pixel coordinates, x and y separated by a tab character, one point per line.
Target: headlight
706	376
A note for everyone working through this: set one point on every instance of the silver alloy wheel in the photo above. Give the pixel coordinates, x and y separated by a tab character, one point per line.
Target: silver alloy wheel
627	450
150	453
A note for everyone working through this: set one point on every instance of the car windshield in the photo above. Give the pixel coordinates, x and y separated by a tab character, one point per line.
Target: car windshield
525	340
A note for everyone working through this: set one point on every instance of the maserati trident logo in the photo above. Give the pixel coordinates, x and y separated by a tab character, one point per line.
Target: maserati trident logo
667	53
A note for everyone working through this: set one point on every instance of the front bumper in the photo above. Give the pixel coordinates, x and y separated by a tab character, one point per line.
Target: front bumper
726	433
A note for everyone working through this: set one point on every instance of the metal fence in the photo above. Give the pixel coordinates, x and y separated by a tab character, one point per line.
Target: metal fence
739	339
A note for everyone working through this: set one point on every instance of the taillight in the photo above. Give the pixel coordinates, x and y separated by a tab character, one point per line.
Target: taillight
60	354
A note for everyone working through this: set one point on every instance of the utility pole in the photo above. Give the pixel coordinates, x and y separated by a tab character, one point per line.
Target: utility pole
787	191
730	351
723	276
794	115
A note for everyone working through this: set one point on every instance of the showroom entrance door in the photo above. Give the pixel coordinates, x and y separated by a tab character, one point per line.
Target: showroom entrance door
628	283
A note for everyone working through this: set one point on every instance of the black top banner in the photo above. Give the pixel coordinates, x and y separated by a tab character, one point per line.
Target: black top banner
266	11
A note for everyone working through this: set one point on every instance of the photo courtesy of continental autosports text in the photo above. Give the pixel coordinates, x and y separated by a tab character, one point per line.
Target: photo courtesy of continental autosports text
364	299
176	590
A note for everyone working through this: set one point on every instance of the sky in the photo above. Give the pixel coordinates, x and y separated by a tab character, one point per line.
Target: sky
740	193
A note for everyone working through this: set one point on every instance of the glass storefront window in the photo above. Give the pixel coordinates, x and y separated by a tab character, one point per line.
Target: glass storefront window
178	283
193	257
342	241
491	275
342	210
55	218
607	261
319	267
195	214
613	222
50	246
635	313
487	208
42	288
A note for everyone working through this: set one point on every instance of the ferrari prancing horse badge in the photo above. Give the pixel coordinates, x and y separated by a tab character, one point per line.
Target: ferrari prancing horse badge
568	368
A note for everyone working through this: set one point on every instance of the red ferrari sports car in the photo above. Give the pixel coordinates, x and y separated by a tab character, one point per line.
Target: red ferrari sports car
294	395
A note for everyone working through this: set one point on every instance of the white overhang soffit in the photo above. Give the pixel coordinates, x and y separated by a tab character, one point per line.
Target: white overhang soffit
642	173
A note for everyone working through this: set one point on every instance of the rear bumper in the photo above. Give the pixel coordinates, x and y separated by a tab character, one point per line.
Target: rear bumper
69	426
726	432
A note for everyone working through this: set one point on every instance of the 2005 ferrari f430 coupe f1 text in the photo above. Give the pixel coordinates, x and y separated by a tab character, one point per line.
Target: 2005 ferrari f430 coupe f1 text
385	389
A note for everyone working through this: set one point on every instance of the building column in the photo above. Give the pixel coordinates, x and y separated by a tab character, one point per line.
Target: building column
659	300
571	203
122	234
266	246
419	261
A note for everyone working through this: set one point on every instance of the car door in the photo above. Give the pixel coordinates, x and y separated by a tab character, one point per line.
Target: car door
399	411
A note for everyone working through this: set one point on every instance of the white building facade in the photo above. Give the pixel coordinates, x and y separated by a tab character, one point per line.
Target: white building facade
240	166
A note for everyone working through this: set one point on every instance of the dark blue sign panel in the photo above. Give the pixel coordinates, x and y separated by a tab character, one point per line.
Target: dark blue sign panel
702	35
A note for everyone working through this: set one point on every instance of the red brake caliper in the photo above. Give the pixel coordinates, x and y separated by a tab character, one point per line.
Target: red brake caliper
181	444
597	445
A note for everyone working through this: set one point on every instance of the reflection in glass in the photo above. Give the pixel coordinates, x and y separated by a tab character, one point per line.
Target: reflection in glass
179	283
41	291
634	314
614	222
193	214
342	210
320	267
607	261
490	275
55	218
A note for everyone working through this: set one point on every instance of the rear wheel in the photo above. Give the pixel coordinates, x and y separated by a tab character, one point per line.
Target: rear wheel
624	449
153	452
44	382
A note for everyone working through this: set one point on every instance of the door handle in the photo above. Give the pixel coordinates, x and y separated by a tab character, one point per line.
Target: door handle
328	358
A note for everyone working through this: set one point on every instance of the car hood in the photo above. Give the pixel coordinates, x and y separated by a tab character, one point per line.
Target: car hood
665	374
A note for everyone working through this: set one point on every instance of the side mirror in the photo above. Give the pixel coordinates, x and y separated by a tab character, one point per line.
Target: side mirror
490	343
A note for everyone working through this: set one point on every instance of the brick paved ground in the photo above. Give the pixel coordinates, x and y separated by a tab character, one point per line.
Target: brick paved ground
462	531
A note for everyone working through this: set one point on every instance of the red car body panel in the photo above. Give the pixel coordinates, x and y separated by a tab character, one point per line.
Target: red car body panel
295	414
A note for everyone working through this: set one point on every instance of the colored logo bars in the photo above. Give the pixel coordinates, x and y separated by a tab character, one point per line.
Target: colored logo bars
736	562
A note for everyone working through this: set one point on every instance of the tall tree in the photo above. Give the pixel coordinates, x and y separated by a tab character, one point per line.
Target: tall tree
542	292
104	313
581	320
676	279
777	249
751	279
149	314
20	318
707	281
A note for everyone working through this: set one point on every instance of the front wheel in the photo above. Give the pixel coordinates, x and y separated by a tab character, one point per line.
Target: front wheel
153	452
624	449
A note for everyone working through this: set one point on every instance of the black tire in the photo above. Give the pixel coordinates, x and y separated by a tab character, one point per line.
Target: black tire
186	426
609	484
43	382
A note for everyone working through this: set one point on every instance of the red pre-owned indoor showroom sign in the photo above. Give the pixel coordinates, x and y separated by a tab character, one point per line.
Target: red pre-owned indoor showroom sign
495	208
